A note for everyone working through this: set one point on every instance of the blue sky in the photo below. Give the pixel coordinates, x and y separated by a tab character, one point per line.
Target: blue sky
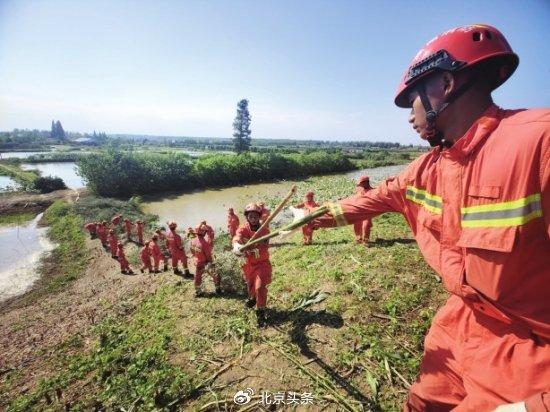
311	69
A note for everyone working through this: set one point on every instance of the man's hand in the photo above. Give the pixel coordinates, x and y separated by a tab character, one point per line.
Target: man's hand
237	249
511	407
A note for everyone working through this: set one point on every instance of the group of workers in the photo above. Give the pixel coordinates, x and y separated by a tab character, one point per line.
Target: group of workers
478	205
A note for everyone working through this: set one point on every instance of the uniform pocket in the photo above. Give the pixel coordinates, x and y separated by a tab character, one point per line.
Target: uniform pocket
498	239
488	192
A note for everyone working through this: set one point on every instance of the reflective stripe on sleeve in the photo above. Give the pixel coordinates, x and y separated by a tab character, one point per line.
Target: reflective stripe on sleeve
511	213
338	214
427	200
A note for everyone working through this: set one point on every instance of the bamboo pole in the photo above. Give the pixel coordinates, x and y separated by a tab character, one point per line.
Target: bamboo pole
272	215
306	219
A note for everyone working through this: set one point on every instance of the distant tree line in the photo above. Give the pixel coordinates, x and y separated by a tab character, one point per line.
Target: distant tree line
123	174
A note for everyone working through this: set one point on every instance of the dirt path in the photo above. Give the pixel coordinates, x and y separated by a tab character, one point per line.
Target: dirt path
33	202
31	333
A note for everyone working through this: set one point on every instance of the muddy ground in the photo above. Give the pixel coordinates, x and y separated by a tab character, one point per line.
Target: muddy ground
20	202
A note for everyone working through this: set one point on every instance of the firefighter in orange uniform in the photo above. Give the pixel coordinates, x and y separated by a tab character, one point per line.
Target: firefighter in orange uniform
309	205
113	243
128	225
124	265
478	205
177	251
232	222
202	258
362	229
115	221
139	229
102	233
209	232
257	267
91	228
145	257
156	254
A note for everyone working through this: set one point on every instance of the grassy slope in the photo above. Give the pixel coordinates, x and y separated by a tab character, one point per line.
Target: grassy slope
360	346
24	177
16	218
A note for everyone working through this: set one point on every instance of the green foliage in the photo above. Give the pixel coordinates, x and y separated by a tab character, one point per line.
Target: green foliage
116	173
24	178
16	219
128	364
48	184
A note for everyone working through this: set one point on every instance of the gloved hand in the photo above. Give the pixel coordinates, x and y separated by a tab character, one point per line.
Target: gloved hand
511	407
237	249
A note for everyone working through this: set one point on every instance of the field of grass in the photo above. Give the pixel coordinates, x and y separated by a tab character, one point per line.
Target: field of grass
346	324
16	219
23	177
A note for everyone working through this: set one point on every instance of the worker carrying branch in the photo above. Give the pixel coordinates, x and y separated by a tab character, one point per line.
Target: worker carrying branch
257	267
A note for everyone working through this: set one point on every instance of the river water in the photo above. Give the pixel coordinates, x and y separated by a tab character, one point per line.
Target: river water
7	182
19	155
22	247
64	170
188	209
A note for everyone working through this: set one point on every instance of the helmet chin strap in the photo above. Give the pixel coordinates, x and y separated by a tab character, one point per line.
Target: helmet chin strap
436	137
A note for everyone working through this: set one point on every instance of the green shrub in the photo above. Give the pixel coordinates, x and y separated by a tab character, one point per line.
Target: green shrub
116	173
48	184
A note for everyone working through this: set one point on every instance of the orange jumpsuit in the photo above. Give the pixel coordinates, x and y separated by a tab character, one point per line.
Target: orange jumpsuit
202	254
480	212
232	224
124	265
91	228
128	226
113	242
157	255
209	234
307	230
362	229
116	220
257	267
175	246
145	256
102	234
139	228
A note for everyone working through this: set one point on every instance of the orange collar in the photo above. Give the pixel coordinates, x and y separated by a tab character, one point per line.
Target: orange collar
478	132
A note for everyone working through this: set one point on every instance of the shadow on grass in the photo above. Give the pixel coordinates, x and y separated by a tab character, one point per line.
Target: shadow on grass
391	242
300	319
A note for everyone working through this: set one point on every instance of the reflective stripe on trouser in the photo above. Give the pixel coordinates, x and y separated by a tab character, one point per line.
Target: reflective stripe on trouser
425	199
503	214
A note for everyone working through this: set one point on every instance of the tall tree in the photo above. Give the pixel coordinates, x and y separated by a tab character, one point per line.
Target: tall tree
241	128
60	132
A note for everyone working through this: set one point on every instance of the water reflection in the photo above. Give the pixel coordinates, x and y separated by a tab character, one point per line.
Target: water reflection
20	253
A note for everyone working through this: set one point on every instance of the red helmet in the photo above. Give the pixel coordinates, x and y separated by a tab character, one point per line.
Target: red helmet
253	207
363	180
309	194
457	49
